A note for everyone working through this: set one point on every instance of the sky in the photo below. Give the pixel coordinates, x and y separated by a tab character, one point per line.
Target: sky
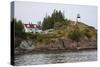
34	12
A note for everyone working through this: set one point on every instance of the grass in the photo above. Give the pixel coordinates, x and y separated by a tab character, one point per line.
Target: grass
62	32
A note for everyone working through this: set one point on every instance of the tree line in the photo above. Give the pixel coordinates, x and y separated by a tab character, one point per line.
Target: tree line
50	21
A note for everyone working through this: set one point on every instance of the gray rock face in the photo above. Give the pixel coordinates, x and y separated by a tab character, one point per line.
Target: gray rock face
60	44
69	44
55	45
88	43
27	44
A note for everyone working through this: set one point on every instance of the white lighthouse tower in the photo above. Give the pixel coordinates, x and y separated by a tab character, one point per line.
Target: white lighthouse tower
77	18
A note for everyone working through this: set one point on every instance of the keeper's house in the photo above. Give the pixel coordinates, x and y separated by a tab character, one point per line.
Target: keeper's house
32	28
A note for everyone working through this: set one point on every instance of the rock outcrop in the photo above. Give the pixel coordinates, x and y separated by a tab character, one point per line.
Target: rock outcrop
61	44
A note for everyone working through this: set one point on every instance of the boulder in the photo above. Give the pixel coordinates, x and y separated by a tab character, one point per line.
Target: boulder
27	44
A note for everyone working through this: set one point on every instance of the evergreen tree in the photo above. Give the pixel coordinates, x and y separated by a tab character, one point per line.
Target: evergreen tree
49	21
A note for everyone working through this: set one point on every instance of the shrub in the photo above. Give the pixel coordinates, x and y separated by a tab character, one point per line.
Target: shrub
75	36
87	33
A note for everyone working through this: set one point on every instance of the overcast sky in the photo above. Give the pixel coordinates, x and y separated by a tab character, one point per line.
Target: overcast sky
34	12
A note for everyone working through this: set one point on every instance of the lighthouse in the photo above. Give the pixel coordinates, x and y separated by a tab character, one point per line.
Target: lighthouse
77	18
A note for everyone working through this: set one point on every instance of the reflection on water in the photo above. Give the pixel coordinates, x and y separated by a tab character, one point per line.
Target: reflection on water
42	58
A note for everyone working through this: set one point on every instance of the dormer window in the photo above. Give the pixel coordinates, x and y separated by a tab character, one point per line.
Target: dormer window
34	26
28	25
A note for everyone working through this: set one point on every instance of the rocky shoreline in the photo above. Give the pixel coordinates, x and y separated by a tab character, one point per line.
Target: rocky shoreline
38	51
56	46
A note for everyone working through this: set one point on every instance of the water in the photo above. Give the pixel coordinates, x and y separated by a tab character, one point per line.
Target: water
62	57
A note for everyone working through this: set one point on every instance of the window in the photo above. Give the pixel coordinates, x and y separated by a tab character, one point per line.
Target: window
28	25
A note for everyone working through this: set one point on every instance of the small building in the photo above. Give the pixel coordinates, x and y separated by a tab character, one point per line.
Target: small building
32	28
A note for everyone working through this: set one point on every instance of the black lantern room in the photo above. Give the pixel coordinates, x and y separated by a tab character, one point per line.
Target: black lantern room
78	16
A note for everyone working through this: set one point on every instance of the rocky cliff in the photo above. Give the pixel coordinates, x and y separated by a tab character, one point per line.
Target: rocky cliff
58	39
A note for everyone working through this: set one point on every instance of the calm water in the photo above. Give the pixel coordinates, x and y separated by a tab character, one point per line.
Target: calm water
64	57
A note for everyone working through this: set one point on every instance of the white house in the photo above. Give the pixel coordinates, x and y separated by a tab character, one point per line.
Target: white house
32	28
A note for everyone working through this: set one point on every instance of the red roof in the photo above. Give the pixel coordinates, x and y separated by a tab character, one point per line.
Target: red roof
32	26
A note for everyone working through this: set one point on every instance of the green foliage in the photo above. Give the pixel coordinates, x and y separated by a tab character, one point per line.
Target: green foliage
58	25
57	16
87	32
37	37
19	28
49	21
75	36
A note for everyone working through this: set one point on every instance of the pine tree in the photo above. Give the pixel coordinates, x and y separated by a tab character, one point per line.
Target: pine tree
49	21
